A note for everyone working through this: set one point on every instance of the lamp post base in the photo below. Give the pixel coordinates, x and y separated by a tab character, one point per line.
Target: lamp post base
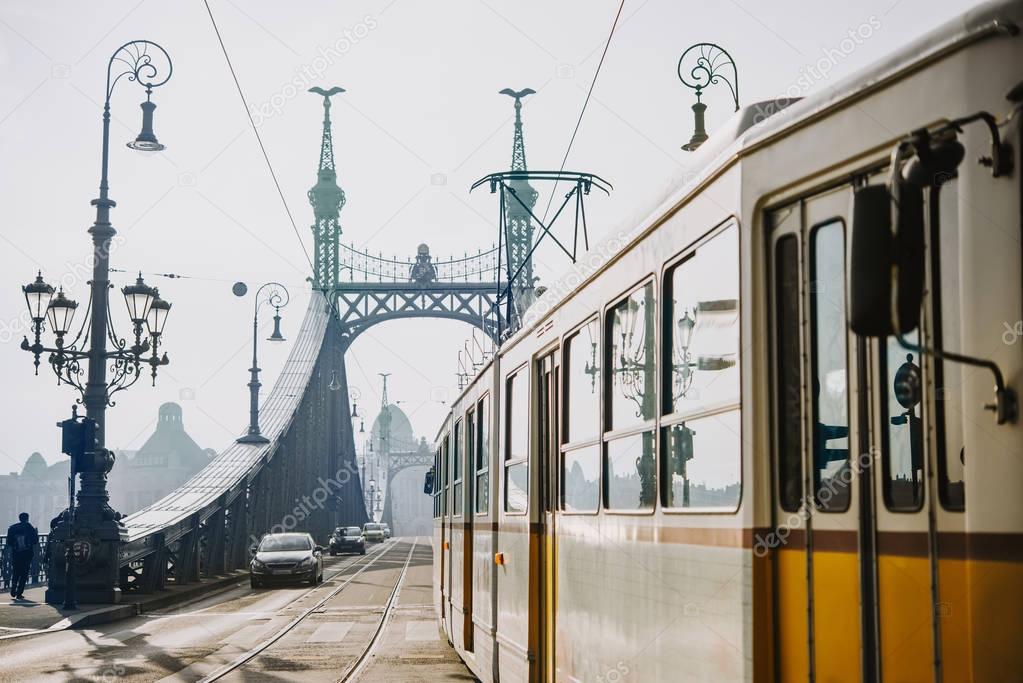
96	571
253	438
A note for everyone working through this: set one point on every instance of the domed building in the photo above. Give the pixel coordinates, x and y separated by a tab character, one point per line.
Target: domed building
402	505
167	459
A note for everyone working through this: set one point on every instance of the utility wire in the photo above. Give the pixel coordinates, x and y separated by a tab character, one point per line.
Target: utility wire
255	130
586	102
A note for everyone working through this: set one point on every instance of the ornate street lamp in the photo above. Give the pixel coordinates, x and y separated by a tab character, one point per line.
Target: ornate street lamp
682	377
276	295
631	362
90	534
701	65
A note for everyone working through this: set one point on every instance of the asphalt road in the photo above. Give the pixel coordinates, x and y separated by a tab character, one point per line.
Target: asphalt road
270	634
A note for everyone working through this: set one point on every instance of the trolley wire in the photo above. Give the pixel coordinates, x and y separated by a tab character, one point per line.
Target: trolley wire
586	103
259	139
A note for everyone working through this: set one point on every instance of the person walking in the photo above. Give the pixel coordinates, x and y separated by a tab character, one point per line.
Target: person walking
22	539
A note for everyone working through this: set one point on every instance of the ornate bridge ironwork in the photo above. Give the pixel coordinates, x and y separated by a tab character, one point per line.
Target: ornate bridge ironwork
306	477
464	289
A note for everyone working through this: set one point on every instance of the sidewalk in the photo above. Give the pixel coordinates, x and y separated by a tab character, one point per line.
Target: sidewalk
31	615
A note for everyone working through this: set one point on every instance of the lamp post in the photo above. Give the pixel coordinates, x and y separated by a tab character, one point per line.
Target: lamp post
701	65
91	527
276	295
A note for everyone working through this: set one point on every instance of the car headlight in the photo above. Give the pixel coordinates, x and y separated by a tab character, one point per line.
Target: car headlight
308	562
256	564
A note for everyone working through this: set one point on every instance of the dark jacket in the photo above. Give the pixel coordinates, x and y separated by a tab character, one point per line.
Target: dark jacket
22	538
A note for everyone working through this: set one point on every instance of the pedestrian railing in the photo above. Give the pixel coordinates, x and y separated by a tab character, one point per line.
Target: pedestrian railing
36	571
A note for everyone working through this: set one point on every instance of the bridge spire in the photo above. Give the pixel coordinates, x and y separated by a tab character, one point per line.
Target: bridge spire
385	419
327	199
518	224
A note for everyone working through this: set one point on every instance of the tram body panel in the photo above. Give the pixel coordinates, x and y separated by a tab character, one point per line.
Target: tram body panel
659	593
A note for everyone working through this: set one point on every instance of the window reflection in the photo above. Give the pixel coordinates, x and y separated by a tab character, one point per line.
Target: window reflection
903	445
630	472
582	400
631	359
482	455
704	460
581	479
702	328
517	488
830	380
518	417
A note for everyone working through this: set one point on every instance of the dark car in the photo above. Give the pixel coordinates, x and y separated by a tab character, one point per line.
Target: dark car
347	539
286	558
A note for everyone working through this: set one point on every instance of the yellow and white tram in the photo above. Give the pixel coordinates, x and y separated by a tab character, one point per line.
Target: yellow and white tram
688	466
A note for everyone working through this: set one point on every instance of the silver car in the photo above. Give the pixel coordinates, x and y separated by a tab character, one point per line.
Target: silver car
285	558
373	531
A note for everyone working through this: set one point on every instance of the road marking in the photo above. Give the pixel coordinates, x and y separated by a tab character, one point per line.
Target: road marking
246	637
421	630
330	632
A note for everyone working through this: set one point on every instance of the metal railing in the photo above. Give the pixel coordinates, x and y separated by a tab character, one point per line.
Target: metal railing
36	571
365	267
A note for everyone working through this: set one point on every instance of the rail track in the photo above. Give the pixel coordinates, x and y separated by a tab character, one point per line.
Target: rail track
358	665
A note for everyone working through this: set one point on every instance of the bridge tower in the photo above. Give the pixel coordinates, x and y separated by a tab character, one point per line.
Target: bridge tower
518	222
327	200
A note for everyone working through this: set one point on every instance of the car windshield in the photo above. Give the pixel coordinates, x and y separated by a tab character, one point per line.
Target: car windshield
271	544
372	527
353	531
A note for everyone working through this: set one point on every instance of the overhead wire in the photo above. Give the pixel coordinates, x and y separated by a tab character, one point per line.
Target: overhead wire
259	139
586	103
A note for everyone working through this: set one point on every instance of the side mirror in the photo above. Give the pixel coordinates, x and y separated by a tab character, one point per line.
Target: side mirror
428	484
318	549
886	271
252	550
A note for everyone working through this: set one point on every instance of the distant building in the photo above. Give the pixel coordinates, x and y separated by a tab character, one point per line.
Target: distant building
411	511
39	489
167	459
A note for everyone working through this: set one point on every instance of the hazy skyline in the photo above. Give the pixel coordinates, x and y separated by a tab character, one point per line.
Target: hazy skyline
420	121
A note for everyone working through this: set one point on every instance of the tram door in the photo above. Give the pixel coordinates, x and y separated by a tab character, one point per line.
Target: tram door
446	570
469	470
818	369
548	450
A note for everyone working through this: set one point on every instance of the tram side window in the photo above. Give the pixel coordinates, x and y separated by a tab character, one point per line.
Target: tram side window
830	385
949	376
482	464
902	457
516	455
471	427
446	467
789	411
629	463
580	463
438	482
456	466
702	445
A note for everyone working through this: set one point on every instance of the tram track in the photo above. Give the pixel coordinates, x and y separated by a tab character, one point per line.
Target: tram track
359	665
267	644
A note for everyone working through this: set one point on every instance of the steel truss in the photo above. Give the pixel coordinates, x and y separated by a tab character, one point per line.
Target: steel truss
364	304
